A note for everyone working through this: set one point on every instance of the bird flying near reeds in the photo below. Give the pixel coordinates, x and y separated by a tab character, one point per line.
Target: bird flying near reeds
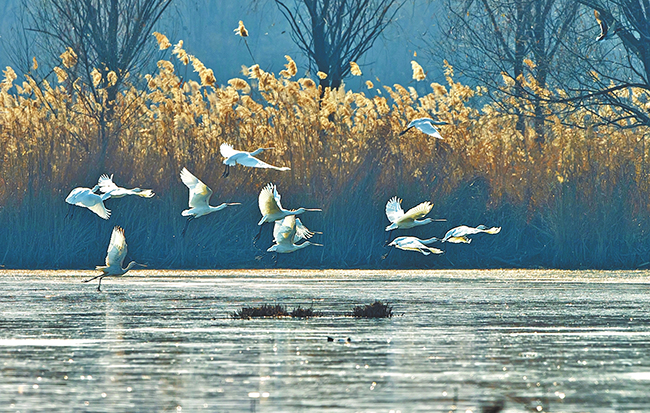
115	255
271	207
459	234
106	185
87	198
234	157
425	125
199	198
414	244
287	232
404	220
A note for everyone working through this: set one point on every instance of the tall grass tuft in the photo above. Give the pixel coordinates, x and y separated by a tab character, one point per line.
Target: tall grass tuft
374	310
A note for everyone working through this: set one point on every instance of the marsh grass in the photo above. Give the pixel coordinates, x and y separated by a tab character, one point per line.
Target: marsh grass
374	310
580	199
263	311
273	311
300	312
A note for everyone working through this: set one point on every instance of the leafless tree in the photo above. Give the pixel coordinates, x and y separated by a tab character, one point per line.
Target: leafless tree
107	36
489	39
332	33
616	70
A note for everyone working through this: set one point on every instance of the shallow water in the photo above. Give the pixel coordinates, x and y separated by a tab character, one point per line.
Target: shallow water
460	340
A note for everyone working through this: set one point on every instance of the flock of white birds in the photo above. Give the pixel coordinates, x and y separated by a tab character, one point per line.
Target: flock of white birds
288	230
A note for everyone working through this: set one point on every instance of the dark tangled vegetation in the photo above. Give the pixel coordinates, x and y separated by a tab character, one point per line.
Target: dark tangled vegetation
274	311
263	311
374	310
580	199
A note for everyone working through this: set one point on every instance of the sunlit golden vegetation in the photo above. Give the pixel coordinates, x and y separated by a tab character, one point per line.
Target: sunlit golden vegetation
338	143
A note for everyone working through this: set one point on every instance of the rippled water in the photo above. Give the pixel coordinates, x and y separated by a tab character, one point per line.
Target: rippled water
461	340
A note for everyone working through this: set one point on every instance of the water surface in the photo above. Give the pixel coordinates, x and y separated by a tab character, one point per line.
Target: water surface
460	341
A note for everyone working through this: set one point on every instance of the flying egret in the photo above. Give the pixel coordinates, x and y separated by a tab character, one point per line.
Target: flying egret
287	232
605	33
271	207
425	125
244	158
459	234
414	244
106	184
114	258
86	197
410	219
199	201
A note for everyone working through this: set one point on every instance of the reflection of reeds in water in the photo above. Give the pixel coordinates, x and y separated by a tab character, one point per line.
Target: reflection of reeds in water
569	190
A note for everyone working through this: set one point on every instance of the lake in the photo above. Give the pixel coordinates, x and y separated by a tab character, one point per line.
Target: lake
481	340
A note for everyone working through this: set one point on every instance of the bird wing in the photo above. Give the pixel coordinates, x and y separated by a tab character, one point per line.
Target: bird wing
227	150
418	211
200	193
106	183
284	230
75	195
269	200
394	209
99	209
116	248
428	128
302	232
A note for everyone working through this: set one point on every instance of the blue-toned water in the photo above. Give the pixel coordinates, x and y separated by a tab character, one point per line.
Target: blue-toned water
460	341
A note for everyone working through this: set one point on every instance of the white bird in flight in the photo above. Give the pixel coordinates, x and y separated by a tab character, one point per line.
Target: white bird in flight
199	201
415	244
459	234
114	258
401	220
425	125
287	232
106	185
244	158
271	207
86	197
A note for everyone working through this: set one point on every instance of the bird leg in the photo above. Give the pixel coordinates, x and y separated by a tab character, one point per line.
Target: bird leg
70	211
226	171
100	276
388	238
191	217
274	258
383	257
257	237
94	278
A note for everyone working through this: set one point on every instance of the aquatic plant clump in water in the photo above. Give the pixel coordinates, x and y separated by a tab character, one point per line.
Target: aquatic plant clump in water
300	312
265	310
374	310
273	311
